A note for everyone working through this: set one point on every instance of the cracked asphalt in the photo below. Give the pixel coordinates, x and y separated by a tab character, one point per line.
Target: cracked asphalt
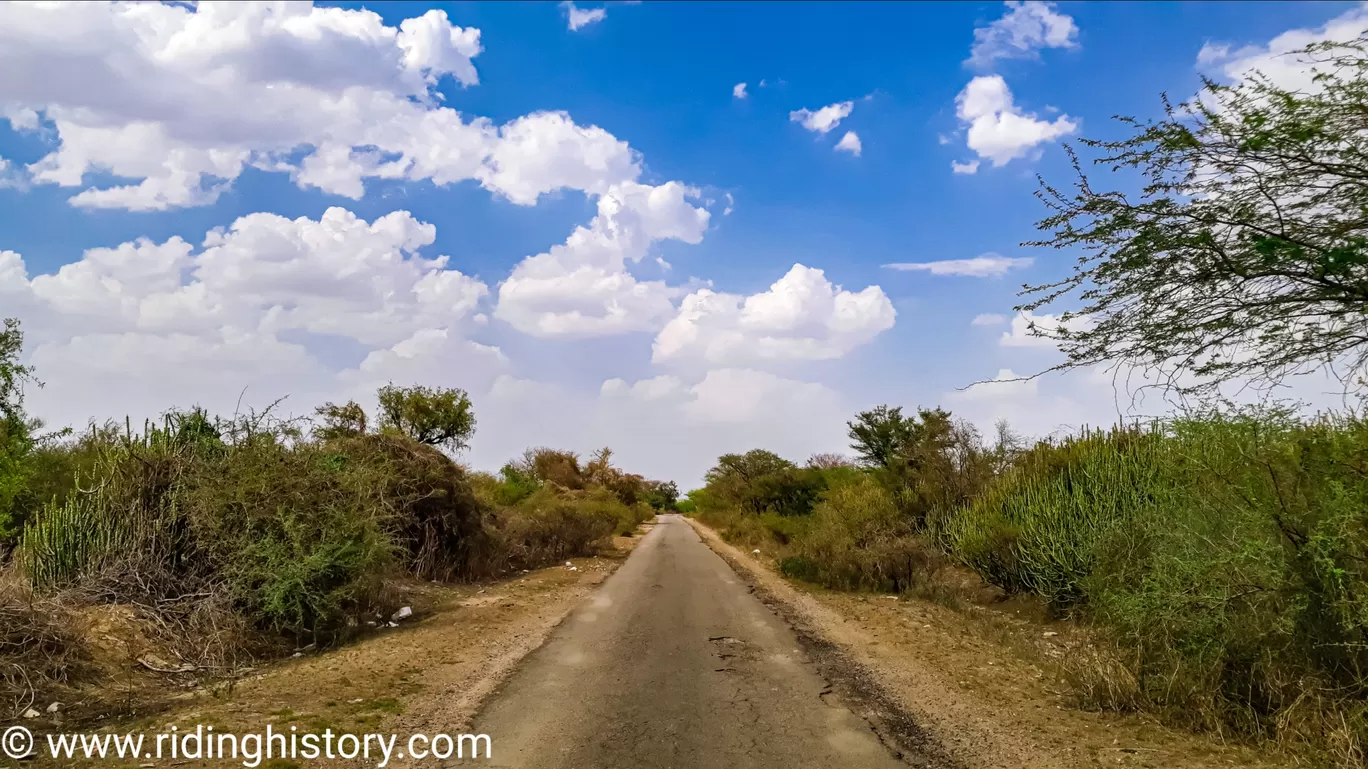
673	663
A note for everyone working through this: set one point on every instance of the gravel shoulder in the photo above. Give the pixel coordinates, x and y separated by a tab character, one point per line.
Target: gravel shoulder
962	684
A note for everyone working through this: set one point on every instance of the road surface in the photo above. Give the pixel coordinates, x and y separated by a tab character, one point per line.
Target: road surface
672	663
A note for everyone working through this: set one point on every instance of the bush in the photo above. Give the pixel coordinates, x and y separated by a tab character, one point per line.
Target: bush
857	539
1037	529
550	526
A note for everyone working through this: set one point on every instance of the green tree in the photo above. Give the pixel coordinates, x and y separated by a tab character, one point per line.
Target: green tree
435	416
662	495
344	421
881	435
1245	253
16	431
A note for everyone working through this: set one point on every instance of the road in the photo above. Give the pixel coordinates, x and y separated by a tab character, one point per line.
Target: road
672	663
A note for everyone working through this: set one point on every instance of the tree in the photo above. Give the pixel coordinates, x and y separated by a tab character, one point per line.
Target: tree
880	435
346	420
16	431
435	416
1245	256
662	495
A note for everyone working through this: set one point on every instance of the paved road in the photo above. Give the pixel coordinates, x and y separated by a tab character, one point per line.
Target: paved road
672	663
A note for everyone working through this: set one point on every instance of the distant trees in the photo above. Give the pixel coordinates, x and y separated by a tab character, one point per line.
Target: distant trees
1245	254
761	481
343	421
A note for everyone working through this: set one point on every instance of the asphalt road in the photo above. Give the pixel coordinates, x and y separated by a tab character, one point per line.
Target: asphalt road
672	663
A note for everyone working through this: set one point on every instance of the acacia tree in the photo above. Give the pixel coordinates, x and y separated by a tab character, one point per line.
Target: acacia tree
1245	255
436	416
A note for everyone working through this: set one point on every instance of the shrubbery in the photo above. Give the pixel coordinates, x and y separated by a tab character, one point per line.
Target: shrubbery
1224	554
236	539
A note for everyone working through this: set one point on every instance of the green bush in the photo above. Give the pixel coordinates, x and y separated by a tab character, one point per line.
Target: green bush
1037	529
857	539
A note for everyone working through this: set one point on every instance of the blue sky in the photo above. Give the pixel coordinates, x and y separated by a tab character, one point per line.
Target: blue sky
745	189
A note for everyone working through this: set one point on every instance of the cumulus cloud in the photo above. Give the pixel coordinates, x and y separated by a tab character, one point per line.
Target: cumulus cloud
583	286
1022	32
582	17
850	143
1020	333
985	266
142	325
802	316
739	91
997	130
964	168
154	93
1273	59
824	119
988	319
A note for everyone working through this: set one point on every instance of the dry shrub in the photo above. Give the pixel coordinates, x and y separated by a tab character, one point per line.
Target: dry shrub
436	517
41	646
552	525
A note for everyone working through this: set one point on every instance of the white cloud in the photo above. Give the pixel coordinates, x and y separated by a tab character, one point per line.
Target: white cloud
1272	59
11	177
1022	32
582	17
850	143
964	168
739	91
996	130
988	319
1020	333
985	266
144	325
802	316
824	119
583	287
154	94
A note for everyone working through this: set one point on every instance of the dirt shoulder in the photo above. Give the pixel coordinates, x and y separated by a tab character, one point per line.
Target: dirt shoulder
970	683
429	675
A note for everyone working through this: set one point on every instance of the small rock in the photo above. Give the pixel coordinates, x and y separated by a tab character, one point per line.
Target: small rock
568	563
572	568
353	702
54	707
403	613
1049	634
893	597
756	550
297	654
393	624
31	713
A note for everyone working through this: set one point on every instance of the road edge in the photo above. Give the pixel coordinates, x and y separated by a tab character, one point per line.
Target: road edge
854	684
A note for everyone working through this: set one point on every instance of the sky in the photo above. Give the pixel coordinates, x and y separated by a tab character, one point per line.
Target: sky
674	229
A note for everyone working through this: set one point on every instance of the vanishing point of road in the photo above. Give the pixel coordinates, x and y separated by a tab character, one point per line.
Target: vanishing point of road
673	664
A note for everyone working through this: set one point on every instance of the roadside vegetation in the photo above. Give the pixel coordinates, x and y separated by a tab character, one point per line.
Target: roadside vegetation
1217	559
233	541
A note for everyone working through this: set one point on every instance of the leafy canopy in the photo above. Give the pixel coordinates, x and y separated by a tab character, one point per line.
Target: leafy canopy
438	416
1245	256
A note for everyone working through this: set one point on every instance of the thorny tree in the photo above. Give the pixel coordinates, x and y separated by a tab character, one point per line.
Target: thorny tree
1245	257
